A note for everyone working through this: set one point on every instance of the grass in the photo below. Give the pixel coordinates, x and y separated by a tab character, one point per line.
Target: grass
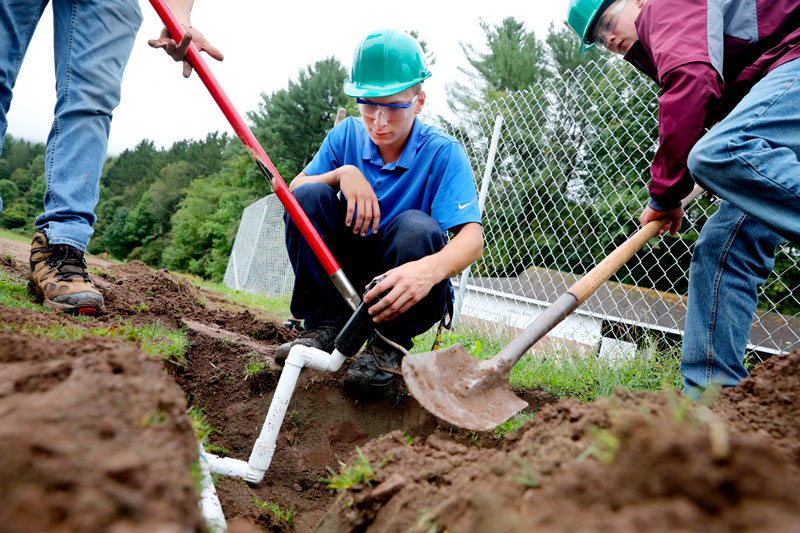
4	233
571	375
254	365
203	430
140	308
512	424
274	508
14	293
603	446
274	305
360	472
153	339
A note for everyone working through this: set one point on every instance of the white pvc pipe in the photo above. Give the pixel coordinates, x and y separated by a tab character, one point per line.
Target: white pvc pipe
264	448
209	503
254	469
227	466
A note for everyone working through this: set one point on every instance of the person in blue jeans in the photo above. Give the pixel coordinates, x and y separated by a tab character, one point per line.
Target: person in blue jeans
92	43
732	66
382	191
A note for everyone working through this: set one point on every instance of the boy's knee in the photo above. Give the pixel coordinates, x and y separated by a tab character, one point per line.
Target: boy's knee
700	162
414	224
311	194
415	234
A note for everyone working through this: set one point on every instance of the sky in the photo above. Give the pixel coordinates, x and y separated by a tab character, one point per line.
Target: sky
265	45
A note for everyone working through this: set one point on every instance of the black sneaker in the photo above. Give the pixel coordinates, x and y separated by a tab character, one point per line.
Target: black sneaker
320	337
364	374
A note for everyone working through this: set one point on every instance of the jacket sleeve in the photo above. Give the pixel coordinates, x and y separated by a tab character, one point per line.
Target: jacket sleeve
689	94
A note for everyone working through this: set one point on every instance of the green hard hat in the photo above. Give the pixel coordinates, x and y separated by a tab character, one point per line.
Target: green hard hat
386	62
581	17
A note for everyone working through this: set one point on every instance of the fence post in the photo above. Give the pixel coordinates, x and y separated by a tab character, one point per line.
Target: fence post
255	242
235	271
487	175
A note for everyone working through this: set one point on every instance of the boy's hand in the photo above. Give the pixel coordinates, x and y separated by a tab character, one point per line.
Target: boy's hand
673	217
177	51
409	283
361	200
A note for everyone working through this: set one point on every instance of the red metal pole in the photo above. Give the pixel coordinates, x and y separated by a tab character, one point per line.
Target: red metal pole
252	145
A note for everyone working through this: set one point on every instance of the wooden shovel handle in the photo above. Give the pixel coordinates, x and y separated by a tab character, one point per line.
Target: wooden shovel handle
591	281
578	293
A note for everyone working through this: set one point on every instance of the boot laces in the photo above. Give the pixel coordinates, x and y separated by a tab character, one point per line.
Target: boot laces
68	262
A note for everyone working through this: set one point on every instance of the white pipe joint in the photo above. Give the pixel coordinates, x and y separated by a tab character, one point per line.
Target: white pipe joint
254	469
226	466
305	356
300	356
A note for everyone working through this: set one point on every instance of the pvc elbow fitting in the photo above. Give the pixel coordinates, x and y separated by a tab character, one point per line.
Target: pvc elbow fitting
305	356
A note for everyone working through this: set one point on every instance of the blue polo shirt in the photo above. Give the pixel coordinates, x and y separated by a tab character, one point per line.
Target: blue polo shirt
432	174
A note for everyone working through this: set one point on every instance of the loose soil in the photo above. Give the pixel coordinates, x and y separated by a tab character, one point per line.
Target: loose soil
94	437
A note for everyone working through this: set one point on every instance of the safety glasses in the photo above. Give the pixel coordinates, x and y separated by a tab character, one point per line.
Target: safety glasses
392	112
608	22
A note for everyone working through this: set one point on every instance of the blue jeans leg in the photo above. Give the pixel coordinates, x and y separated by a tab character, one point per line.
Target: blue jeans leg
752	157
732	258
314	298
93	40
408	237
18	20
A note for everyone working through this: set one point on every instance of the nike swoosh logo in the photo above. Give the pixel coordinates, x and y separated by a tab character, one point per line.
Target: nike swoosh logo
463	206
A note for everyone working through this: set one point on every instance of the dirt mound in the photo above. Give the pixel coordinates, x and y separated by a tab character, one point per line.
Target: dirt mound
93	437
323	424
230	374
768	403
633	462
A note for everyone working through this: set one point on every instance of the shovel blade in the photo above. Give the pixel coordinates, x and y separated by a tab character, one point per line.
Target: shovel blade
460	389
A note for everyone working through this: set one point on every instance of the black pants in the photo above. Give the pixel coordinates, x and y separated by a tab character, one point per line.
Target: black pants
410	236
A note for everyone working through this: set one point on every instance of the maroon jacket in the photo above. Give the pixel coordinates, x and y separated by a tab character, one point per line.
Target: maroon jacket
705	55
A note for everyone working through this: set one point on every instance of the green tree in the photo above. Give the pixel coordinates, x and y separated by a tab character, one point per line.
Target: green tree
15	216
564	51
8	191
20	153
516	59
291	123
205	224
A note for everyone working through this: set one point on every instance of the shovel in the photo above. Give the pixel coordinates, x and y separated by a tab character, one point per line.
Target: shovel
476	395
261	159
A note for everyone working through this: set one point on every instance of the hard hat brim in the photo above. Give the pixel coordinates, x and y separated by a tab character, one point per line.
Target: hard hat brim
359	91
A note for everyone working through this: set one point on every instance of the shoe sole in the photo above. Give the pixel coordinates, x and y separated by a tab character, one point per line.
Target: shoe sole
85	309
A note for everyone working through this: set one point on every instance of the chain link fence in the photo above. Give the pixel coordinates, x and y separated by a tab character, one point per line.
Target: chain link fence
259	262
562	169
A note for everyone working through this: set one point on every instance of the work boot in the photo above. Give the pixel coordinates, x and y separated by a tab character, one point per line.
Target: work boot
321	337
364	375
59	277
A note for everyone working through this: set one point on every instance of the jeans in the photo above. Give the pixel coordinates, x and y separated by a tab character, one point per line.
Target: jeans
410	236
751	160
93	40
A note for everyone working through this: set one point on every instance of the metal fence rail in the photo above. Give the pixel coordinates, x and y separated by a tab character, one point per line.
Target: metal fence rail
563	169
